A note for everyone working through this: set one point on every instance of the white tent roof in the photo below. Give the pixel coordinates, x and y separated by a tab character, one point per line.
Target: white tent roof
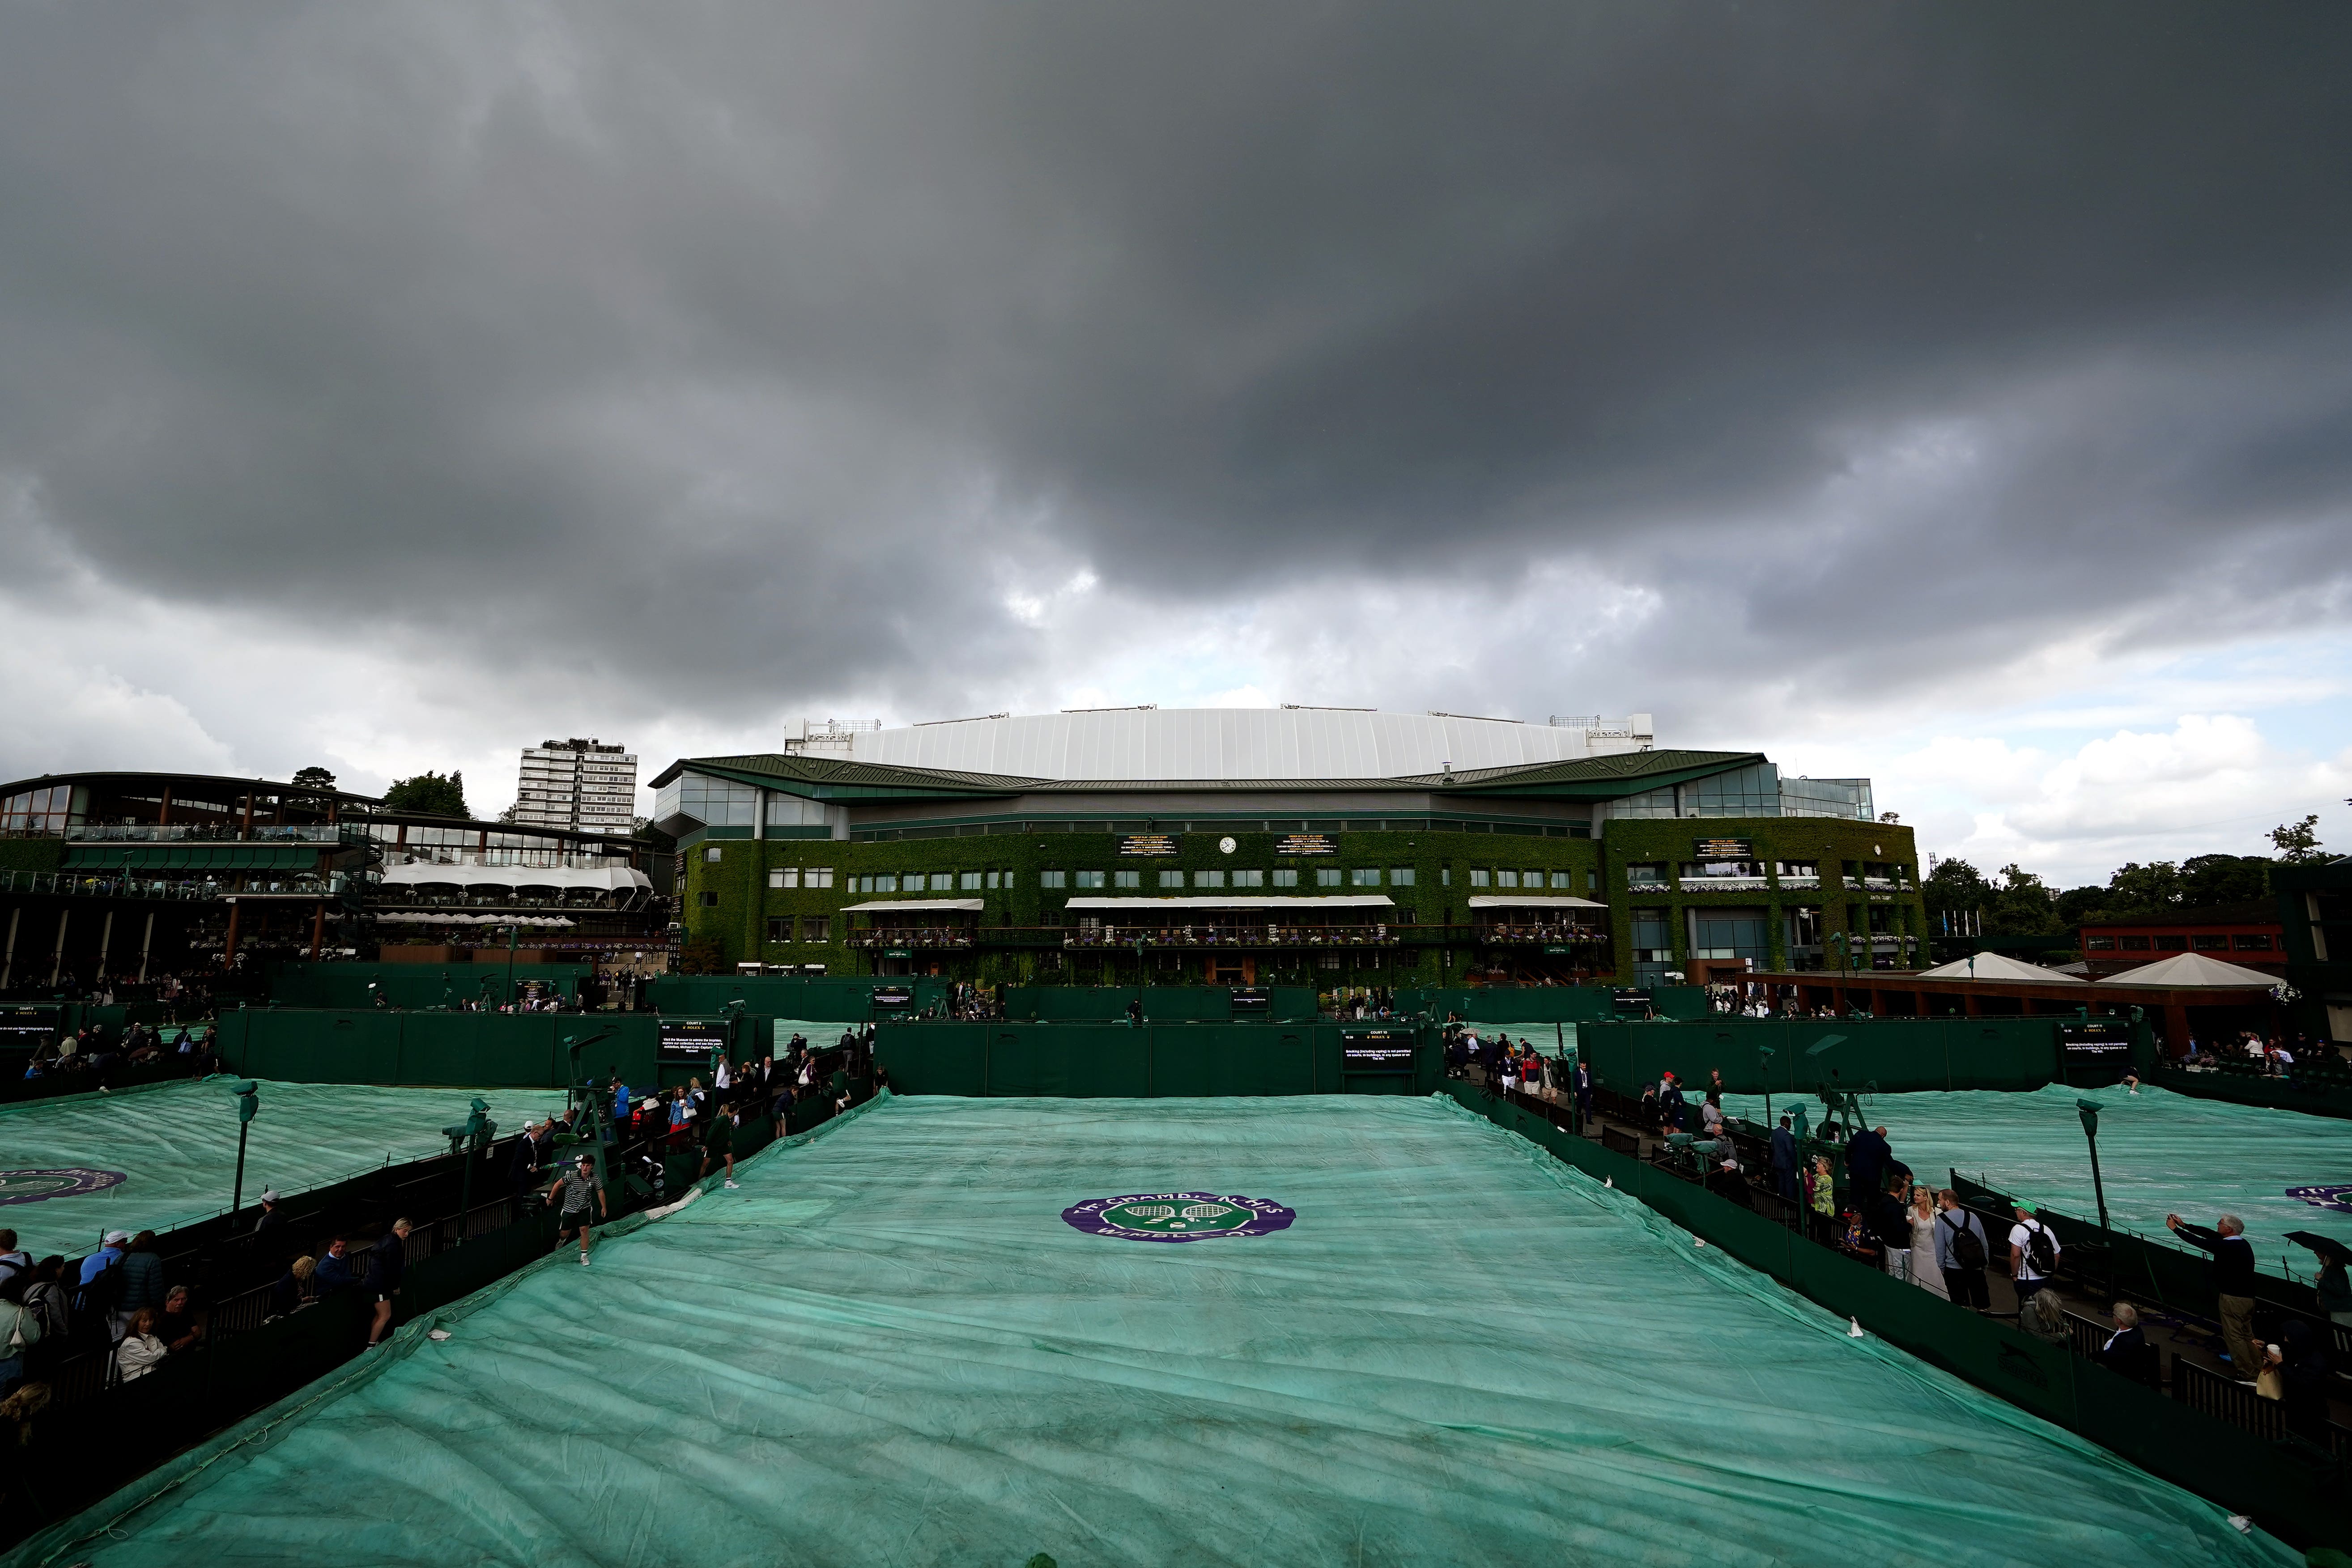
880	906
2189	970
1215	901
1532	900
1995	966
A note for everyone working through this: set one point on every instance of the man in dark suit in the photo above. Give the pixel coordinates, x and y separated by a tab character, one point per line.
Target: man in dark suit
2127	1350
1784	1160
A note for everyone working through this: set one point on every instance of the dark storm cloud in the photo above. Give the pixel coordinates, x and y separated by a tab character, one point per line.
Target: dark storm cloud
724	352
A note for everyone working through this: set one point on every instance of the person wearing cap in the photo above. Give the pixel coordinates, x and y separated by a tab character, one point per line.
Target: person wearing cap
108	1254
2032	1253
272	1216
389	1262
580	1201
2232	1274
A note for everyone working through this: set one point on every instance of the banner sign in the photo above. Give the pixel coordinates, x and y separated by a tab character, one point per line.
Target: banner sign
1147	843
1306	844
1251	1000
2095	1051
1723	849
1380	1051
893	996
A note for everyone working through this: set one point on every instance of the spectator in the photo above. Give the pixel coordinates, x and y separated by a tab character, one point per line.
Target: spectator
780	1109
47	1299
2302	1380
143	1280
2043	1316
179	1327
140	1350
1710	1115
1961	1253
578	1189
336	1271
1583	1093
391	1260
1927	1268
1890	1227
2232	1275
20	1331
620	1101
2335	1289
1784	1160
110	1253
1822	1200
272	1216
522	1165
2127	1351
1865	1160
1673	1109
286	1294
13	1262
2032	1253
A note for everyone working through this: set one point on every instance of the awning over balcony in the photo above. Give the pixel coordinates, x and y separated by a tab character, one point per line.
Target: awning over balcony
145	860
1223	901
1529	901
934	905
604	878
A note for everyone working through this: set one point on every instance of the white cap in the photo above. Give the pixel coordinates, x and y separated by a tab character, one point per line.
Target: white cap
117	1237
269	1194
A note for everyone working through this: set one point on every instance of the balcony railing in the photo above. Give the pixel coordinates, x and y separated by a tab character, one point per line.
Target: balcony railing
926	936
216	833
1234	936
1724	884
1547	935
107	887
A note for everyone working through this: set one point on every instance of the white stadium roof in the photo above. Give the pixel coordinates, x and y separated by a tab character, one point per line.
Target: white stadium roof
1137	743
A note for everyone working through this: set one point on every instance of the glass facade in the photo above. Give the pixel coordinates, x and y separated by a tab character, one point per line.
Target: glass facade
1757	790
1730	933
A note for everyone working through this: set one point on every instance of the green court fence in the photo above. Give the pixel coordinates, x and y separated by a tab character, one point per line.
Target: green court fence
300	984
1517	1005
1759	1056
1081	1060
493	1050
1169	1004
844	999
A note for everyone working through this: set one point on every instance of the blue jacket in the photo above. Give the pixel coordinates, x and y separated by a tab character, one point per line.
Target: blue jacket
335	1274
1784	1149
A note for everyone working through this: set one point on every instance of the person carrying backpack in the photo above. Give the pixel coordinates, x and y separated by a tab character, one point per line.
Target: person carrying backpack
1961	1253
2032	1253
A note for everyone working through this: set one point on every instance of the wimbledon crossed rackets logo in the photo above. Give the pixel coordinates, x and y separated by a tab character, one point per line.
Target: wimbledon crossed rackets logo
2337	1198
32	1187
1178	1217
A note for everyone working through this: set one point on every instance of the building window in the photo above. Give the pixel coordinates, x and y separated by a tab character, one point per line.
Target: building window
1400	877
2212	942
993	882
2099	944
943	881
1326	961
1506	878
1171	879
1090	878
710	900
1127	879
817	876
1249	879
1208	878
1053	878
779	927
1285	877
1592	881
1480	878
816	927
886	883
784	876
1445	876
1563	880
1326	877
2133	943
2172	945
711	853
968	881
1650	876
2250	943
1364	876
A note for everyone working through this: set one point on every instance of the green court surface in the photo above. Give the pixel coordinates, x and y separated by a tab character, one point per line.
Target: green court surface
2159	1153
890	1346
175	1147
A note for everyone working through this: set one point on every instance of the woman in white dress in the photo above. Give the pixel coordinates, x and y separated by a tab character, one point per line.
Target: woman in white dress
1924	1273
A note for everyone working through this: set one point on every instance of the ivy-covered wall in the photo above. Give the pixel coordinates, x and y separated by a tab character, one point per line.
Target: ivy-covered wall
728	901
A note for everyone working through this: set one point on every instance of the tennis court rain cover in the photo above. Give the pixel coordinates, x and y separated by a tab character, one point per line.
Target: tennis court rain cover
890	1346
173	1148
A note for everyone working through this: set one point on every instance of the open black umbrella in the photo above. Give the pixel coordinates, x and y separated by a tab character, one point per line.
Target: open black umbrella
2326	1246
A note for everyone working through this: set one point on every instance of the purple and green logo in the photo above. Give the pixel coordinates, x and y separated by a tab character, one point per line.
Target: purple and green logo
1178	1217
32	1187
2337	1198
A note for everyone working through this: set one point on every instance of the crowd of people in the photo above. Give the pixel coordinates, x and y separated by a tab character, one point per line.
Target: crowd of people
91	1052
2274	1057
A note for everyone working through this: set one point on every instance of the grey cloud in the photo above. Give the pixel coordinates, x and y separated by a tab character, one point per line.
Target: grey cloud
720	353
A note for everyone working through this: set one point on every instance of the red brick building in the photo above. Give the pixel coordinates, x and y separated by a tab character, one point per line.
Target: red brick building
2248	934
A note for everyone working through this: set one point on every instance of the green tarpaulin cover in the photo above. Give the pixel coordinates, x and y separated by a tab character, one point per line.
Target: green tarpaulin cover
2159	1153
890	1346
175	1146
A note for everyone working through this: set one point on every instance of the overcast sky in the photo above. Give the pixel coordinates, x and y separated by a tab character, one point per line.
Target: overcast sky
1958	395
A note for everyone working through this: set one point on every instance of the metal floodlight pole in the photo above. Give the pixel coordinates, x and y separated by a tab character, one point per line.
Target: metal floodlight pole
248	1102
2089	1109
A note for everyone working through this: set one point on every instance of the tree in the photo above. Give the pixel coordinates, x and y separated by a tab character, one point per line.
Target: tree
2209	879
2024	906
429	795
314	778
2298	842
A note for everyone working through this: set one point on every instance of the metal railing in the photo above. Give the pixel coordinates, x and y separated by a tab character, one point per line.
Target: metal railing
67	884
216	833
1221	935
929	936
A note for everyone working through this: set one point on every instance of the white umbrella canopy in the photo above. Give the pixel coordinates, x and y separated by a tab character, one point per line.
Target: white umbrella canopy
2187	971
1995	966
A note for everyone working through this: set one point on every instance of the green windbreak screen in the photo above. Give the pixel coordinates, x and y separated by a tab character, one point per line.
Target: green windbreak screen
891	1347
2160	1153
175	1148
